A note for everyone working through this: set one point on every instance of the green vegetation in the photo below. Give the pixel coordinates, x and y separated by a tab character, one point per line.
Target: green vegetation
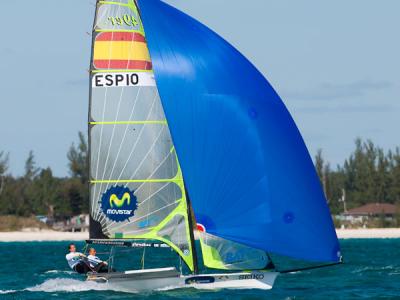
38	192
369	175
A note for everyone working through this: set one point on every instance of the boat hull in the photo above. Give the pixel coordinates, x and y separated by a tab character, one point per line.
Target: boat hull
169	278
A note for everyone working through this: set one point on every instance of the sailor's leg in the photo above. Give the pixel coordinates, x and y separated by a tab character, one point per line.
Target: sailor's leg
80	268
100	268
103	269
87	268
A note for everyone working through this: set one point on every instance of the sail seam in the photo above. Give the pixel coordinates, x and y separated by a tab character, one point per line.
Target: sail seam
120	71
115	3
128	122
119	30
134	180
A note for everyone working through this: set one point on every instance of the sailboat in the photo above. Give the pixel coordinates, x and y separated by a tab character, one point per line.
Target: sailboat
188	139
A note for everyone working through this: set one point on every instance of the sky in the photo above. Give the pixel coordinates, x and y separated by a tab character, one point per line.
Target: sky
336	65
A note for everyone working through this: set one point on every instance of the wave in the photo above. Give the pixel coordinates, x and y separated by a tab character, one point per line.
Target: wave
66	285
168	288
59	272
374	269
61	285
7	291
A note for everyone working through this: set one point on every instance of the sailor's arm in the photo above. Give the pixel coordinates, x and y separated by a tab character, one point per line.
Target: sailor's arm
96	260
80	255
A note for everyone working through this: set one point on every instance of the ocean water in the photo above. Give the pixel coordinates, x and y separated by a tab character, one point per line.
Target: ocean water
38	270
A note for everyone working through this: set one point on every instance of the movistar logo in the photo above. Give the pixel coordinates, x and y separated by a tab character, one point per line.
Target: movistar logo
118	203
114	200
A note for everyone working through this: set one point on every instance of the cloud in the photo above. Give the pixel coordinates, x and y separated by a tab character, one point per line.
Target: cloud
331	91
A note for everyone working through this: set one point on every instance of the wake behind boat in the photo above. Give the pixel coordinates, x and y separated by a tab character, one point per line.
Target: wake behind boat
185	136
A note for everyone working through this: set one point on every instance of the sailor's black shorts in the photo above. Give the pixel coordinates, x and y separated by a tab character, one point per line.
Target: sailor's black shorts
81	268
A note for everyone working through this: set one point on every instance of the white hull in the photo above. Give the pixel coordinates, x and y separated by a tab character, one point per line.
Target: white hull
130	281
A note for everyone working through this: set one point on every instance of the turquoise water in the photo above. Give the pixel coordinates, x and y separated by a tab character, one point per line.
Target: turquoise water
38	271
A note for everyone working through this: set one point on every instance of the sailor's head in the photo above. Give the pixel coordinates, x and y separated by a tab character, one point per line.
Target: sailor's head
92	251
71	248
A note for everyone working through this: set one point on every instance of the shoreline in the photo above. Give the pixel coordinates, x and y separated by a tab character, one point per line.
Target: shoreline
51	235
369	233
42	236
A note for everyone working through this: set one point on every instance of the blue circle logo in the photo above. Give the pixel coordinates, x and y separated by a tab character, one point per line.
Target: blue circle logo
118	203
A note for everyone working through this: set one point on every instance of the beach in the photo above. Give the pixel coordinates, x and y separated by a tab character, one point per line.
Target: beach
368	233
42	235
31	235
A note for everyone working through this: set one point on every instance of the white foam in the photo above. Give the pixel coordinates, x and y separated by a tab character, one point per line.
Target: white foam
59	272
171	287
7	291
66	285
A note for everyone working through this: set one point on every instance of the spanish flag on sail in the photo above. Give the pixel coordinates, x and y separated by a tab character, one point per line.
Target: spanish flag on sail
121	50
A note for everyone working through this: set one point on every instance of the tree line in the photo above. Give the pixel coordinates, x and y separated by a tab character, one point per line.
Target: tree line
368	175
39	192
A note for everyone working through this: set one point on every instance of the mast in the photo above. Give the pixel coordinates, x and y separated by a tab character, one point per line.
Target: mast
191	233
94	226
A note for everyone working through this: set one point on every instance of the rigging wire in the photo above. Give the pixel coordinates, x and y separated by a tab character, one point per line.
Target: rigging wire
111	259
143	256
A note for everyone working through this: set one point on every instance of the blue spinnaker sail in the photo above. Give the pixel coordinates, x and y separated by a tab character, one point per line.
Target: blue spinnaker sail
246	167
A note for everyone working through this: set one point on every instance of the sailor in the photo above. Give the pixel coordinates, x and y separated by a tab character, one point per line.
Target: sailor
77	260
95	263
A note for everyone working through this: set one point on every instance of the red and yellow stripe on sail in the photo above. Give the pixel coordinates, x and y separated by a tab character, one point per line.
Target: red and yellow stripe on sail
121	50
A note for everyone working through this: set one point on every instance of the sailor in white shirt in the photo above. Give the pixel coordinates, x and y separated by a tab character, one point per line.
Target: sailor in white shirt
76	260
96	263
